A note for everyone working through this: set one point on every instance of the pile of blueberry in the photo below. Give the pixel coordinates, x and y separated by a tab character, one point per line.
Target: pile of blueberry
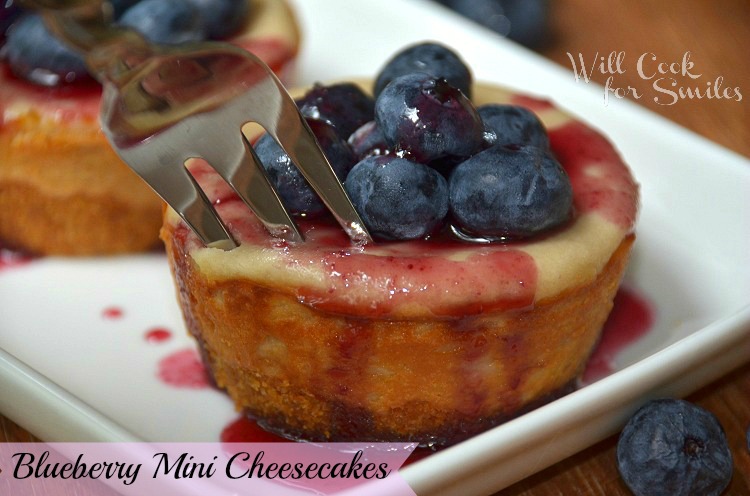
418	157
34	54
672	447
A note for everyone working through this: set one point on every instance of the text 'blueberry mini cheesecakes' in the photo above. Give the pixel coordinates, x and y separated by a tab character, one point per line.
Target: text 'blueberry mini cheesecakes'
503	227
63	190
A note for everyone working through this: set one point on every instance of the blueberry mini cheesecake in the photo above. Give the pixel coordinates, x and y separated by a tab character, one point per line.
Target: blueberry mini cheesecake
63	190
502	229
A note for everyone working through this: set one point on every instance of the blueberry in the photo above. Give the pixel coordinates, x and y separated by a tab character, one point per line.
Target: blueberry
509	192
9	12
120	6
528	21
488	13
674	447
34	54
397	198
165	21
431	58
368	140
523	21
445	165
511	124
345	106
222	18
428	118
296	193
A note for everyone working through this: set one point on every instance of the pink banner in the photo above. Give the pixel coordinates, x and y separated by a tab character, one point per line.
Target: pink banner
213	469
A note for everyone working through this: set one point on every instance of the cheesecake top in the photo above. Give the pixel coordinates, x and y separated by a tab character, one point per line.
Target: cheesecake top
441	277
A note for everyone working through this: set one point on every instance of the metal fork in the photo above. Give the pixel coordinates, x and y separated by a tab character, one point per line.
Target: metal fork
163	105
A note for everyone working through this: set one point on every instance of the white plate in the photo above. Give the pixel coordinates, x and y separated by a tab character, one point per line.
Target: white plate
67	373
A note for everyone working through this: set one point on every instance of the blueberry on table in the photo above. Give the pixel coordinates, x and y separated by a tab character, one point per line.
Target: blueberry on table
673	447
431	58
293	188
165	21
398	198
222	18
509	192
428	118
345	106
34	54
511	124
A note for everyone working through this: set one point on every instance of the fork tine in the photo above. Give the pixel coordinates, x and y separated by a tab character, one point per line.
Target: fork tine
266	102
291	131
180	190
242	170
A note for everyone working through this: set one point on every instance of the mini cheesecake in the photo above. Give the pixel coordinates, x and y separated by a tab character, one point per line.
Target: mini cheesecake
427	341
63	190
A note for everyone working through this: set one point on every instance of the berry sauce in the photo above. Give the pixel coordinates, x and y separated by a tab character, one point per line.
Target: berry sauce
244	430
157	335
600	180
112	313
416	279
631	318
183	369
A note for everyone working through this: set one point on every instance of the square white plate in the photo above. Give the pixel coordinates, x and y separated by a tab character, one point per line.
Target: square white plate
68	373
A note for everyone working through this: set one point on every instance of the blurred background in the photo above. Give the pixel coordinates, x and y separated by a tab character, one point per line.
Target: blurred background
715	34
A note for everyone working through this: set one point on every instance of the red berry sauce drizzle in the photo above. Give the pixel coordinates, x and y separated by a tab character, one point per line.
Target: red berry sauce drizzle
631	318
112	313
181	369
158	335
184	369
244	430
